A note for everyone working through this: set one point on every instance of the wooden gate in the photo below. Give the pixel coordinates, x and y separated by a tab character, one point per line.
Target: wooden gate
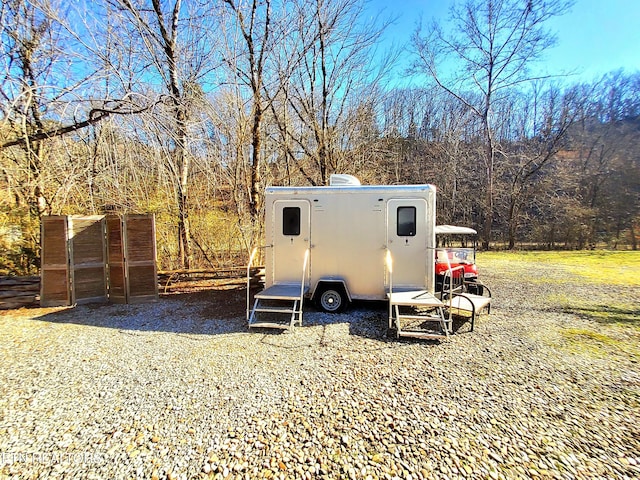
95	258
54	261
116	260
132	259
87	259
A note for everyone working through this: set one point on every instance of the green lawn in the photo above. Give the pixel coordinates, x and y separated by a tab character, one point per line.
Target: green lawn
600	287
593	267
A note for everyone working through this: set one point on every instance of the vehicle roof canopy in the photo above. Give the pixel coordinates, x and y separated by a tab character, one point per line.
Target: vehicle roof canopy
454	230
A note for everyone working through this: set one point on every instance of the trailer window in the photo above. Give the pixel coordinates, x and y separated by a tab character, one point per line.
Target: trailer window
291	221
406	221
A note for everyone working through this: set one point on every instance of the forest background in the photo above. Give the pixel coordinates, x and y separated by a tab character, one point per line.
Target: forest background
187	109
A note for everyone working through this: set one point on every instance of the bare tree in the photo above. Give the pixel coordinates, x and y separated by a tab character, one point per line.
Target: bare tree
486	52
46	84
248	56
176	48
30	61
48	89
542	121
607	154
332	75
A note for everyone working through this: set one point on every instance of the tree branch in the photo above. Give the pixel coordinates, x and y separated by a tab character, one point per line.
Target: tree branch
95	116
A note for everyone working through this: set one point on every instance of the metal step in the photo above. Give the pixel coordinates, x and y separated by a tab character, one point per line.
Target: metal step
282	292
426	318
283	326
422	335
274	309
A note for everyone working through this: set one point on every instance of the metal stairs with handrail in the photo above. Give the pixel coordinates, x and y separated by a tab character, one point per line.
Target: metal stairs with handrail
277	300
411	311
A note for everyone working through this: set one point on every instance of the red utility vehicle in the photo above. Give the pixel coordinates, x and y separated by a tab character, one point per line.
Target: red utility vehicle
456	246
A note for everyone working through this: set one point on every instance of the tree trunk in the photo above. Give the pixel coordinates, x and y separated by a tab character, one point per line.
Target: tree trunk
184	232
37	201
515	202
182	191
513	225
322	160
489	161
254	201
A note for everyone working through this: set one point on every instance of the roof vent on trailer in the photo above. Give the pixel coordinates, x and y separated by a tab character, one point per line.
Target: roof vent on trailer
454	230
343	179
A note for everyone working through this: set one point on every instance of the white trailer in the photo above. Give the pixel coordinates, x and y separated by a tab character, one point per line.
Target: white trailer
334	244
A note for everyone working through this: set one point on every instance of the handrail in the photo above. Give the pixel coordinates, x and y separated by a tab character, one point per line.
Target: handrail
304	271
449	273
483	285
251	257
389	261
304	275
389	264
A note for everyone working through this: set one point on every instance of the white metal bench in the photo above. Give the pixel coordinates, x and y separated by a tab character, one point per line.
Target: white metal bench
469	303
456	296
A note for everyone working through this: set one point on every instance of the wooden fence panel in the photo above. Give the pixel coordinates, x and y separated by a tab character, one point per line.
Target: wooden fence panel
88	259
16	292
93	258
140	254
54	262
116	260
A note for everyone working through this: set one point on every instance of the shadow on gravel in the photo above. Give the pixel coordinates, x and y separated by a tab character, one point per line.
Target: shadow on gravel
219	310
222	310
606	314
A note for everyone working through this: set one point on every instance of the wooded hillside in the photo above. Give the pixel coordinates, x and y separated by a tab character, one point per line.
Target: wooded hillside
188	109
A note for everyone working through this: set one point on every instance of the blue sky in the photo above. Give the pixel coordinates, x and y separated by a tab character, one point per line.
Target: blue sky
594	37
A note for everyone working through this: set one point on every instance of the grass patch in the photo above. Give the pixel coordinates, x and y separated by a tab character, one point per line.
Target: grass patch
589	335
607	314
600	288
611	313
599	344
598	267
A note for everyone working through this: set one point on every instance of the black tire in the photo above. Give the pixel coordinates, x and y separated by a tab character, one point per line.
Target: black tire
331	299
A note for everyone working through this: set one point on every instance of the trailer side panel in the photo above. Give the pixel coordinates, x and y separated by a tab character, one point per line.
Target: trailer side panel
349	230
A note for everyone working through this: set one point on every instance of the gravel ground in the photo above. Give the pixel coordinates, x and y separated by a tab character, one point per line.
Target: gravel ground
179	389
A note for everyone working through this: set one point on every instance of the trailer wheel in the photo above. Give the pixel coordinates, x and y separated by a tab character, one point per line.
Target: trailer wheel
331	299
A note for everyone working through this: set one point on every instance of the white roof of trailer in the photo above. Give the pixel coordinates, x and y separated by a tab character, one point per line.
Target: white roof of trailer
333	189
454	230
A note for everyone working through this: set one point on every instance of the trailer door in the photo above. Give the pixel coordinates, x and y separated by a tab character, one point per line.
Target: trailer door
407	241
291	238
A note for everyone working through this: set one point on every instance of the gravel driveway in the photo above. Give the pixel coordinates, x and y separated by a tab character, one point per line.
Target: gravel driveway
180	389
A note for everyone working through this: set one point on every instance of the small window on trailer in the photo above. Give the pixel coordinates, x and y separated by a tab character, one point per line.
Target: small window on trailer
291	221
406	221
